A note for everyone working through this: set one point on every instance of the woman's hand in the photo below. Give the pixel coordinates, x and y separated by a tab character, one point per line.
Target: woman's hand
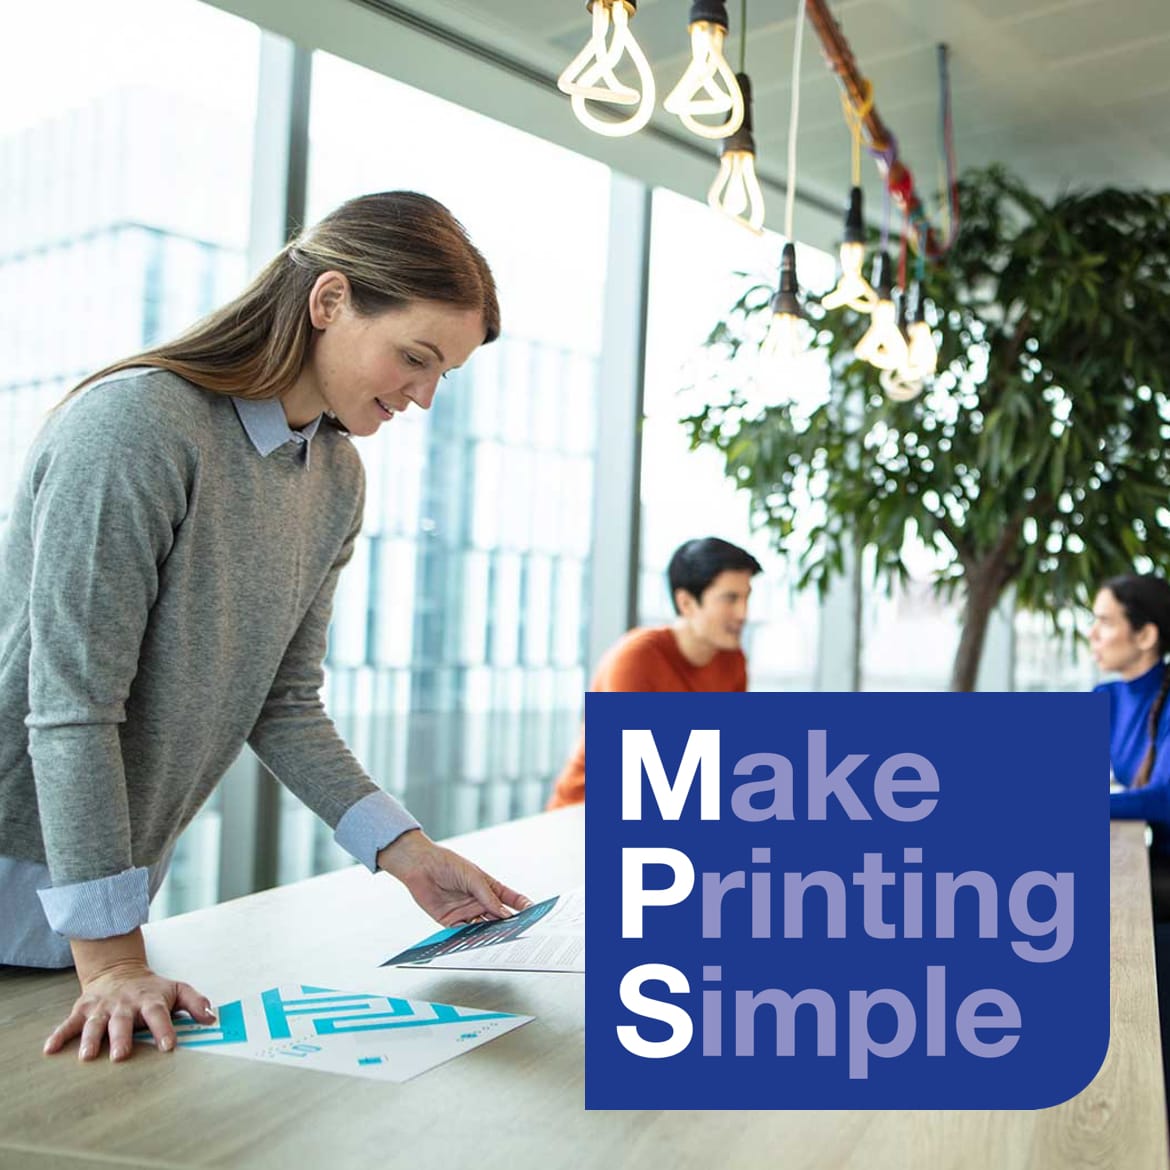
120	993
447	886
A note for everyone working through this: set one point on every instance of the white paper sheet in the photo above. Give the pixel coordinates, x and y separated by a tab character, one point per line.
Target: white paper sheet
360	1035
549	936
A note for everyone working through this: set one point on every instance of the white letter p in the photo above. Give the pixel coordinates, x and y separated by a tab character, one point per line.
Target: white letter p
635	898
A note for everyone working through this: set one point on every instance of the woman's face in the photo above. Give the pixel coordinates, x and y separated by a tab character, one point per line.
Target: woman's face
1116	645
367	369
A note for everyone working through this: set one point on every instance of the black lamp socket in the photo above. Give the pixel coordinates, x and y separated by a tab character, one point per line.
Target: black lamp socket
742	139
854	220
787	297
710	11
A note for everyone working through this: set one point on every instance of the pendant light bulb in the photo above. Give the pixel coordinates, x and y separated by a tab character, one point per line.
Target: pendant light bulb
786	337
922	350
908	380
853	260
922	353
883	345
899	386
736	190
699	92
853	290
590	76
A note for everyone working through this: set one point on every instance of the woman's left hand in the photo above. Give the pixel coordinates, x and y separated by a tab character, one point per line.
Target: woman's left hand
447	886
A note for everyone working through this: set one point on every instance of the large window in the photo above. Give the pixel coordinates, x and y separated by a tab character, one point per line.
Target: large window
698	265
1053	658
123	218
124	201
909	633
456	662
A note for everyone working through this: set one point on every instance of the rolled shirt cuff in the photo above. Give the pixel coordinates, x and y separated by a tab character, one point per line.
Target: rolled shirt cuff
101	908
372	824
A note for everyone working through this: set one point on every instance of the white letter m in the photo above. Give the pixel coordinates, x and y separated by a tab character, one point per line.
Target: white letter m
639	751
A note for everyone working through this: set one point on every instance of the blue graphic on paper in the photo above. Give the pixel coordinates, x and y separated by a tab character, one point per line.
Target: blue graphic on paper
230	1028
381	1037
328	1011
357	1014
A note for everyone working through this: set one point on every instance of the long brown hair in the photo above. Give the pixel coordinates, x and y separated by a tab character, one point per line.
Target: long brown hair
1145	598
394	248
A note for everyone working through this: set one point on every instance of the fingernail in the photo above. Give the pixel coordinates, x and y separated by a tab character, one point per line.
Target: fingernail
86	1051
166	1044
117	1053
209	1010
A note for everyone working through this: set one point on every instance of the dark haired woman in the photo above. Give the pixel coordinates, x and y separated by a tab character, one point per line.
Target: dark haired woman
166	580
1130	637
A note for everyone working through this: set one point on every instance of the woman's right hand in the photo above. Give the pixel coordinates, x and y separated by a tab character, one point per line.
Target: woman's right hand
120	993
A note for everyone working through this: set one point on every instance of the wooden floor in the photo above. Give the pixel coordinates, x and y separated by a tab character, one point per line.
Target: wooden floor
516	1103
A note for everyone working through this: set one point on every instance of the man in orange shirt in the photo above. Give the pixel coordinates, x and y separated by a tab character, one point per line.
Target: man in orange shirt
710	582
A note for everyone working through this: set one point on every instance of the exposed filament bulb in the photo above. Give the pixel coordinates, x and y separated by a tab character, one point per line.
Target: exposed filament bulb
591	76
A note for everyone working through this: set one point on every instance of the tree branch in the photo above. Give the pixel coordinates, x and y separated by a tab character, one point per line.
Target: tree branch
951	531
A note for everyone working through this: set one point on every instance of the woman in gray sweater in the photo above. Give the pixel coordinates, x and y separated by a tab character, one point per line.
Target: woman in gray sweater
166	579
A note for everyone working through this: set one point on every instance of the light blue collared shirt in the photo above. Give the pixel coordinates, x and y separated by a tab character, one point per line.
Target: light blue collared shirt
266	425
37	920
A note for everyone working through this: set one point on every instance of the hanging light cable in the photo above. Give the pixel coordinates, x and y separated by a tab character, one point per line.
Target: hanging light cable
698	93
736	190
853	290
785	331
882	344
590	76
922	353
947	153
921	361
910	378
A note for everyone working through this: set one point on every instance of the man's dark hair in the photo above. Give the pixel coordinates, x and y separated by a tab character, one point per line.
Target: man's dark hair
697	563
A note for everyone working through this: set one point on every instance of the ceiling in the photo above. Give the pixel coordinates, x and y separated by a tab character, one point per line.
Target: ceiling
1065	92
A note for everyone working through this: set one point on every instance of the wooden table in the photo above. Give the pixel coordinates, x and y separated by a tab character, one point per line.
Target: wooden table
516	1103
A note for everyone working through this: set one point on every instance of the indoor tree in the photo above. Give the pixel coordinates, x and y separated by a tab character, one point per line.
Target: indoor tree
1036	459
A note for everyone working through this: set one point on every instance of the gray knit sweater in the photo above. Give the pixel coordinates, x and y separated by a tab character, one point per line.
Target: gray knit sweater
164	596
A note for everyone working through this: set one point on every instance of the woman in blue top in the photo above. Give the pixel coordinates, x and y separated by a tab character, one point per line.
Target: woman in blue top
1130	637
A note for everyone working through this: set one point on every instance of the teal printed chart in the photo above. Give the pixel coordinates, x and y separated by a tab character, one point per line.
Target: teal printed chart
356	1034
549	936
